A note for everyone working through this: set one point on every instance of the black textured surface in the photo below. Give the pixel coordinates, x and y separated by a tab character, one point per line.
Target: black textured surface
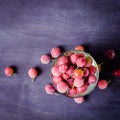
29	29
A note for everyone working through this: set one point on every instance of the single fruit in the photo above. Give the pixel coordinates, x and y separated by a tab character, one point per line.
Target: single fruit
55	71
49	89
79	47
55	52
78	73
33	73
80	62
62	87
56	80
45	59
102	84
63	60
116	72
9	71
79	100
82	89
110	54
92	79
78	82
63	68
73	58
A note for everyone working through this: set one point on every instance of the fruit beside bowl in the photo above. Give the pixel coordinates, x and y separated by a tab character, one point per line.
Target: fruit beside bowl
74	73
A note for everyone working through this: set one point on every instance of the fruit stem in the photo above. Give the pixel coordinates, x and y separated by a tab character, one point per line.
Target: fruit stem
33	79
109	81
56	94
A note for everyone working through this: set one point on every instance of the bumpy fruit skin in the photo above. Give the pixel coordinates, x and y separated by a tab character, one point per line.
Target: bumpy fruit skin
79	47
45	59
9	71
79	100
116	72
102	84
49	89
110	54
62	87
55	52
33	73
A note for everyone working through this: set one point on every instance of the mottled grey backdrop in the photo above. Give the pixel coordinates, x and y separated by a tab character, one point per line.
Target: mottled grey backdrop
29	29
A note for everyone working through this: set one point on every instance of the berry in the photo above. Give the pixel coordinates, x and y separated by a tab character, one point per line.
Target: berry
110	54
102	84
9	71
116	72
79	100
79	47
65	76
55	71
81	62
78	73
63	68
78	82
55	52
45	59
92	70
56	80
63	60
86	72
33	73
74	58
88	61
70	82
70	70
82	88
92	79
62	87
72	92
49	89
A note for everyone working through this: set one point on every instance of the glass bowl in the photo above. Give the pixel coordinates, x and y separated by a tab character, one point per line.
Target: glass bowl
90	86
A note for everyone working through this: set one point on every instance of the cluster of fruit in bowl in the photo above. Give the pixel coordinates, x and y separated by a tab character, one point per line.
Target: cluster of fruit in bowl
75	73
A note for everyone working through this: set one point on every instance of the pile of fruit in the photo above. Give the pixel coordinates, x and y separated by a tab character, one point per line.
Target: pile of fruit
73	73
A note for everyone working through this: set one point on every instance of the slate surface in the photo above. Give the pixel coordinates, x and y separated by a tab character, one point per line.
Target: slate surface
29	29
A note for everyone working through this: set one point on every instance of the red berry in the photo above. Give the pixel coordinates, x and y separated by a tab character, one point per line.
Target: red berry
92	79
102	84
86	72
116	72
56	80
33	73
55	52
62	87
80	62
55	71
82	88
79	100
45	59
88	61
63	60
9	71
92	70
110	54
78	82
78	73
70	70
74	58
70	82
63	68
65	76
79	47
49	89
72	92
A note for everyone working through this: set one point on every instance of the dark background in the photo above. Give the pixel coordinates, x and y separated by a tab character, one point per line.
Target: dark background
29	29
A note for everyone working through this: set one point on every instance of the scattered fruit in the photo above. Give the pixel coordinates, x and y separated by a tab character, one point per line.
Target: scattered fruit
110	54
79	100
33	73
50	89
116	72
9	71
45	59
102	84
79	47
